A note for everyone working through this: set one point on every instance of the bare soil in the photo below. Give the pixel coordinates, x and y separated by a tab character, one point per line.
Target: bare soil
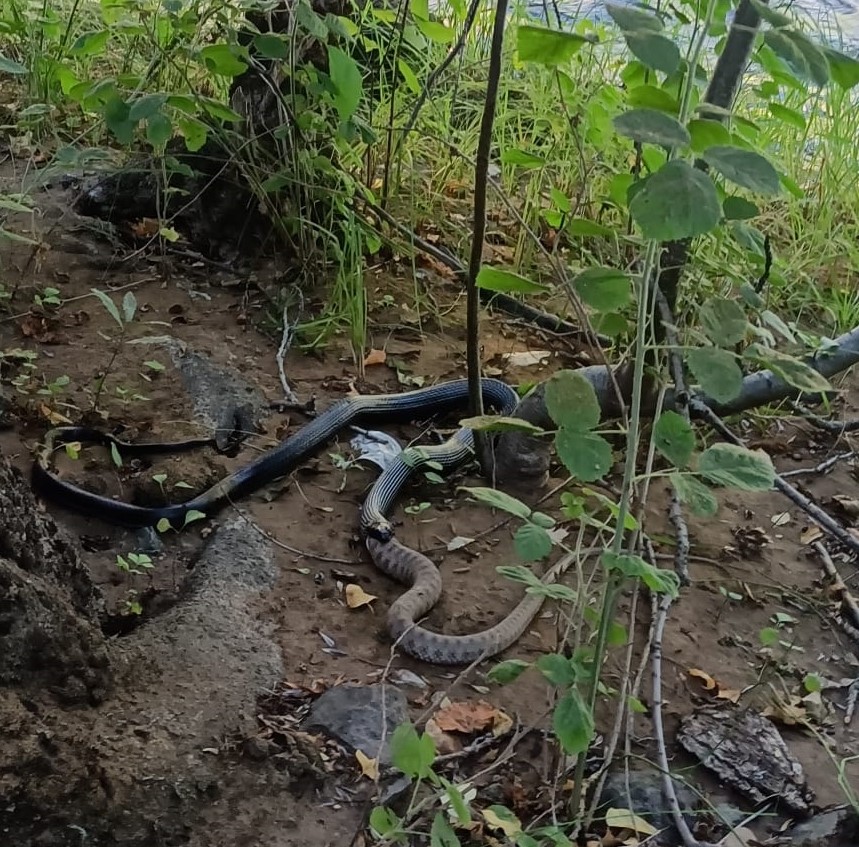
311	518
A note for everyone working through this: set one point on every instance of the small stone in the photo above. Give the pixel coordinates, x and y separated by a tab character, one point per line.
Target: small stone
834	828
354	715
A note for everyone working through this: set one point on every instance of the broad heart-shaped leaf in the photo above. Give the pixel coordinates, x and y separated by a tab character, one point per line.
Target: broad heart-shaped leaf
572	401
656	579
532	543
677	202
844	69
347	81
221	59
739	209
411	753
603	289
654	50
436	31
573	723
651	97
693	493
586	456
787	116
652	127
717	371
744	167
442	834
499	500
508	671
548	46
159	130
724	321
558	669
116	112
737	467
793	371
630	19
494	279
90	43
146	106
706	133
674	438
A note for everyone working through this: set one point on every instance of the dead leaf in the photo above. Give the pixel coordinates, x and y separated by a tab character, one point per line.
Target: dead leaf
502	724
510	826
709	682
788	714
39	328
527	358
732	695
465	716
810	534
848	505
375	357
145	228
458	543
445	743
369	767
54	417
781	519
357	597
619	819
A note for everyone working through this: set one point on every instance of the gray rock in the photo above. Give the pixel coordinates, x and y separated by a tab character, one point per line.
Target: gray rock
643	797
729	815
833	828
360	716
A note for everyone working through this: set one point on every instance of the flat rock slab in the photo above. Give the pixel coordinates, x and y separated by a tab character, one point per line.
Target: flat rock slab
363	717
834	828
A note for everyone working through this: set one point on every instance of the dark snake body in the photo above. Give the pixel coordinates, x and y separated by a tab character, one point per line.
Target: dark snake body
389	555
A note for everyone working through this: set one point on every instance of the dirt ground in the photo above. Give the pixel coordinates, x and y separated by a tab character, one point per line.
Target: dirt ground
737	588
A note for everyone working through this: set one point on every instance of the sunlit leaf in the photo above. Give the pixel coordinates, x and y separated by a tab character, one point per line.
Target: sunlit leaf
631	19
844	69
737	467
505	672
499	500
411	753
494	279
654	50
787	115
548	46
346	78
571	401
706	133
586	456
532	543
604	289
573	723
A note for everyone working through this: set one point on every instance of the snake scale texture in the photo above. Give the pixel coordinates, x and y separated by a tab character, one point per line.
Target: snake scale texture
389	555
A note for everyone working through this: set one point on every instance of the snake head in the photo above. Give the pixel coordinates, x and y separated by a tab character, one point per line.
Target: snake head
381	531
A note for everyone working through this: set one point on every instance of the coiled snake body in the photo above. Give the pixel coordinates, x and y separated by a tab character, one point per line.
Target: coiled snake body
389	555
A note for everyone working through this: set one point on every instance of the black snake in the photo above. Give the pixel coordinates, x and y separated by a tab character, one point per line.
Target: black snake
389	555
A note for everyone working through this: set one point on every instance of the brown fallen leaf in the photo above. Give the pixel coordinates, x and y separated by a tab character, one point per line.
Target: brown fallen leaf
445	743
145	228
709	682
375	357
39	328
788	714
620	819
732	695
466	716
810	534
54	417
357	597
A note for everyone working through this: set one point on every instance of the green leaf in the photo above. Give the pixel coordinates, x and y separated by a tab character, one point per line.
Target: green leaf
442	834
411	753
146	106
586	456
505	672
636	706
812	683
493	279
770	15
724	321
384	822
739	209
558	669
584	227
612	325
163	525
90	43
532	543
571	401
310	21
346	78
695	495
717	371
737	467
793	371
787	116
221	60
654	50
674	438
657	580
116	117
409	76
500	500
420	9
10	66
744	167
769	636
844	69
114	455
573	723
436	31
706	133
109	305
522	159
652	127
604	289
631	19
748	237
651	97
271	46
458	804
159	130
548	46
677	202
815	58
499	423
